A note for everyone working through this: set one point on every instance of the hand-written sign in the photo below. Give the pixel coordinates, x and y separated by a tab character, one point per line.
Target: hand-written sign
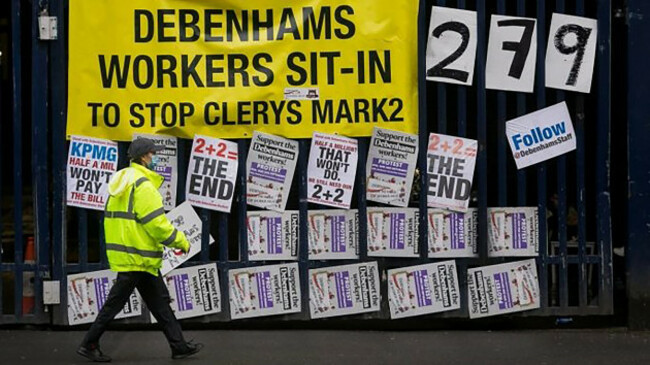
91	163
332	169
450	170
211	173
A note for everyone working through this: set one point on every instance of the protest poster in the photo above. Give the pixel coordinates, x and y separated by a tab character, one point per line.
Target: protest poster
264	291
343	290
451	48
167	166
571	52
194	291
333	234
450	171
391	164
452	234
504	288
270	167
211	174
272	235
331	170
512	54
393	232
184	219
423	289
87	293
91	164
229	68
541	135
513	232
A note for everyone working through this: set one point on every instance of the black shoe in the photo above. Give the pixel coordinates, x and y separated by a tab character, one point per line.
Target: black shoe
190	349
93	353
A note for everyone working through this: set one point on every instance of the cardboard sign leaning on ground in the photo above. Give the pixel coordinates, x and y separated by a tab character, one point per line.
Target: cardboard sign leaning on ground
269	170
91	164
503	288
167	167
541	135
451	49
332	169
513	232
87	293
194	291
272	235
343	290
452	234
211	173
450	171
393	232
264	291
391	164
423	289
185	219
333	234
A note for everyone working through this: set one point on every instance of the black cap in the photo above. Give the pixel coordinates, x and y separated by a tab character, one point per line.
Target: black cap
142	146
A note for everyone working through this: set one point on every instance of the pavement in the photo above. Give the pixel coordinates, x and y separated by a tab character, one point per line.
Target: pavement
313	347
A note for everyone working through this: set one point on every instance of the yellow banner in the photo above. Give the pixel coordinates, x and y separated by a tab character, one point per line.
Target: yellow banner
227	68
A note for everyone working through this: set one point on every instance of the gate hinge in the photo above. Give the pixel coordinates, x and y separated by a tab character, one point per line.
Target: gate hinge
47	26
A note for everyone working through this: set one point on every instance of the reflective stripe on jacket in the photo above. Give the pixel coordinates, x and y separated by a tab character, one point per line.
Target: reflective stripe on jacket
135	225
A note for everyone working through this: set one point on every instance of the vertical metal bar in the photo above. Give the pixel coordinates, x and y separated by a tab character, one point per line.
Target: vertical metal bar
481	122
603	234
541	167
82	220
16	52
521	110
241	199
303	244
205	233
1	185
361	196
462	97
441	106
502	172
423	131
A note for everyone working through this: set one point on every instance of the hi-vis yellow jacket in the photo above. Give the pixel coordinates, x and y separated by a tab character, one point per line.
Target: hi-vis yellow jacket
135	224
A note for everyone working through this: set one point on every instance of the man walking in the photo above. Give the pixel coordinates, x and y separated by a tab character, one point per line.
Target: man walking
136	231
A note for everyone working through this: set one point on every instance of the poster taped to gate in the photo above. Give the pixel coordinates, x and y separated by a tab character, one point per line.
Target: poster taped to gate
332	169
194	291
167	166
541	135
264	291
333	234
87	293
91	164
270	167
423	289
391	164
393	232
344	290
211	173
501	289
228	68
452	234
184	219
272	235
450	171
513	232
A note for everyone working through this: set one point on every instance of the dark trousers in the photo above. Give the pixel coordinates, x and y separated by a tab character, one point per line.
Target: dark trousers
156	297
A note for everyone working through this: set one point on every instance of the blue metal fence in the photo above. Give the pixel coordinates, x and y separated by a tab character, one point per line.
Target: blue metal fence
575	275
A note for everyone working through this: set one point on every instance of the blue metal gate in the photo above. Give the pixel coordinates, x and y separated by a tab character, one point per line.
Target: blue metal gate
571	192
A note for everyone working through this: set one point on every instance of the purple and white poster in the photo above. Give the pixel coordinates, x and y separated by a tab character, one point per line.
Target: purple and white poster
272	235
264	291
393	232
503	288
343	290
270	167
87	293
452	234
167	166
194	291
513	232
423	289
333	234
391	164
